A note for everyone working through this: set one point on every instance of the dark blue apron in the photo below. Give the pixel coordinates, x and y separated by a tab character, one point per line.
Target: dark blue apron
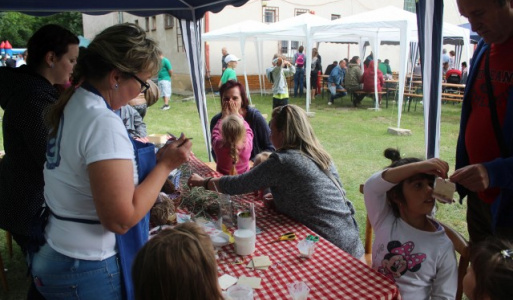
134	239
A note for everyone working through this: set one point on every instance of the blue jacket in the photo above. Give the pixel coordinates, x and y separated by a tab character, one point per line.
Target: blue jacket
500	170
337	75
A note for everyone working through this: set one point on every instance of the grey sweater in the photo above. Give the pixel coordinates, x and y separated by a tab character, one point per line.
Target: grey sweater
305	193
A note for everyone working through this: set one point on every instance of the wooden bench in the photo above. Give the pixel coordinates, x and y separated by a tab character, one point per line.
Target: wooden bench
412	96
450	97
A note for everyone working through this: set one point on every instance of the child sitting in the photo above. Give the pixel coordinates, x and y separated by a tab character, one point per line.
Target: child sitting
177	263
490	273
232	141
410	248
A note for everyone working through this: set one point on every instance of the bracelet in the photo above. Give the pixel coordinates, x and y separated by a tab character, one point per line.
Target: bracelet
205	183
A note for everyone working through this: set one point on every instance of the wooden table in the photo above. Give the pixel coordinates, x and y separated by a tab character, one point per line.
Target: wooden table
330	273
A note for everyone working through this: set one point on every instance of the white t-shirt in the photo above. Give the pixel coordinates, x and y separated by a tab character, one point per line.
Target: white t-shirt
421	263
88	132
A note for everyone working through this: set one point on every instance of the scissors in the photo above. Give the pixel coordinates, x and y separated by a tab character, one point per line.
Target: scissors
289	236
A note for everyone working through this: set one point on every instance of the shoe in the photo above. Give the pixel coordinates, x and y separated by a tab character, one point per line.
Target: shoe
330	103
165	107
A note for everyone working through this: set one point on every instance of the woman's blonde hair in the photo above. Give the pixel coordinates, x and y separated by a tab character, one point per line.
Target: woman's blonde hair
298	134
234	132
178	263
124	47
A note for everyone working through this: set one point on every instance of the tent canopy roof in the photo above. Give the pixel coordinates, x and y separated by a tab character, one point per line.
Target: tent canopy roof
182	9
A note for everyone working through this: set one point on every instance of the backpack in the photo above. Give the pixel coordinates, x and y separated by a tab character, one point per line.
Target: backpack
300	60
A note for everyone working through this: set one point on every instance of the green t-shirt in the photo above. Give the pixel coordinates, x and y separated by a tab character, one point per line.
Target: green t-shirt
229	74
164	71
383	68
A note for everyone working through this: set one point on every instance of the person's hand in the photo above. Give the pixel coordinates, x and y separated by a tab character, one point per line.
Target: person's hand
195	180
434	166
474	177
230	108
142	139
175	153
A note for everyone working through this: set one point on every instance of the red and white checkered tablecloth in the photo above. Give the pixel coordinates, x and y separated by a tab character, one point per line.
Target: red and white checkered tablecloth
330	273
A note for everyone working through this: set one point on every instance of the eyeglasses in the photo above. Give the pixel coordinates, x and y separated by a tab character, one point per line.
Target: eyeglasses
144	85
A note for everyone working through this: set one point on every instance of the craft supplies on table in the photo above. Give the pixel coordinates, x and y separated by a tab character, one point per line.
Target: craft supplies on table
330	273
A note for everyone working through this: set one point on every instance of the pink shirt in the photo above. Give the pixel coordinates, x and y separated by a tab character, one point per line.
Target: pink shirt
224	160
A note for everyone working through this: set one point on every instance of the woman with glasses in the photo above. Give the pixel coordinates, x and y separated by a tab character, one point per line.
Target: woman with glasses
100	184
302	178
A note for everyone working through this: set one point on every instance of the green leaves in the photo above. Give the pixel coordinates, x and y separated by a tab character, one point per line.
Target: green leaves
17	28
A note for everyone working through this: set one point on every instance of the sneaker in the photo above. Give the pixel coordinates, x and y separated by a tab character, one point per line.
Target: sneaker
330	103
165	107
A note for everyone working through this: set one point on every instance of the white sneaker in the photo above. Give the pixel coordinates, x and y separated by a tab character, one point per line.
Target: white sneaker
330	103
165	107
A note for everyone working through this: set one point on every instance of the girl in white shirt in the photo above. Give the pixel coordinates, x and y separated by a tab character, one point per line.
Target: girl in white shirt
410	248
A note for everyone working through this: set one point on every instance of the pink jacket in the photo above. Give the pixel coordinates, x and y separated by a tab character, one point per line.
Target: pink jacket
224	160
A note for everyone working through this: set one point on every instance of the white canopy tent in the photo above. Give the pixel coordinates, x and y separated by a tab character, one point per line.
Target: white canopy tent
388	24
243	31
295	29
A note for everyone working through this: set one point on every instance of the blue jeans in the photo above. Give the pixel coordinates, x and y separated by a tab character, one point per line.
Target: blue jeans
58	276
299	78
333	91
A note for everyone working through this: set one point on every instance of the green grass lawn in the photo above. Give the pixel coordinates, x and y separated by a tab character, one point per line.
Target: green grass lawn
355	138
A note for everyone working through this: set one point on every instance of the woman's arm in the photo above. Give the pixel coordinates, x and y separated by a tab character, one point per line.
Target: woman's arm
118	203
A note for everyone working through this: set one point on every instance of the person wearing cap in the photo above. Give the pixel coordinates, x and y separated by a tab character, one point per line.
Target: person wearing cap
229	73
277	76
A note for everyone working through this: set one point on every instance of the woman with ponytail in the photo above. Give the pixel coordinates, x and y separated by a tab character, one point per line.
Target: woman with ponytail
302	178
99	185
232	141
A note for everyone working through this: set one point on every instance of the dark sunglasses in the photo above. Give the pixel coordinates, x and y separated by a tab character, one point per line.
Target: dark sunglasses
144	85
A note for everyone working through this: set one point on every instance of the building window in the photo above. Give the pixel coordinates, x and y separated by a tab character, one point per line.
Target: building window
147	24
335	17
179	40
153	23
169	21
300	11
409	5
270	14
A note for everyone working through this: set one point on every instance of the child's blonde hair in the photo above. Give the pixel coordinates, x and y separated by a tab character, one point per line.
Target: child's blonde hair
234	133
492	263
177	263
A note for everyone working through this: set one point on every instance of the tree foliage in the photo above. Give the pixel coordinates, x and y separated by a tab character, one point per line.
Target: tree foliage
17	28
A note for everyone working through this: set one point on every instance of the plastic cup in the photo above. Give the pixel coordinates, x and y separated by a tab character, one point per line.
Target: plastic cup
240	292
244	221
298	290
306	248
244	241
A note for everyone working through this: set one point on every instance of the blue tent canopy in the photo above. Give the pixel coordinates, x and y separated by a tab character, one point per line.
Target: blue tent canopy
182	9
190	13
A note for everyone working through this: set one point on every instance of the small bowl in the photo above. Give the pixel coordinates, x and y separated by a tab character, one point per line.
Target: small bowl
220	240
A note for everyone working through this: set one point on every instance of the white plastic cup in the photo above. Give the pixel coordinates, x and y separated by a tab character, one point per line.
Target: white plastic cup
298	290
244	241
246	222
306	248
240	292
